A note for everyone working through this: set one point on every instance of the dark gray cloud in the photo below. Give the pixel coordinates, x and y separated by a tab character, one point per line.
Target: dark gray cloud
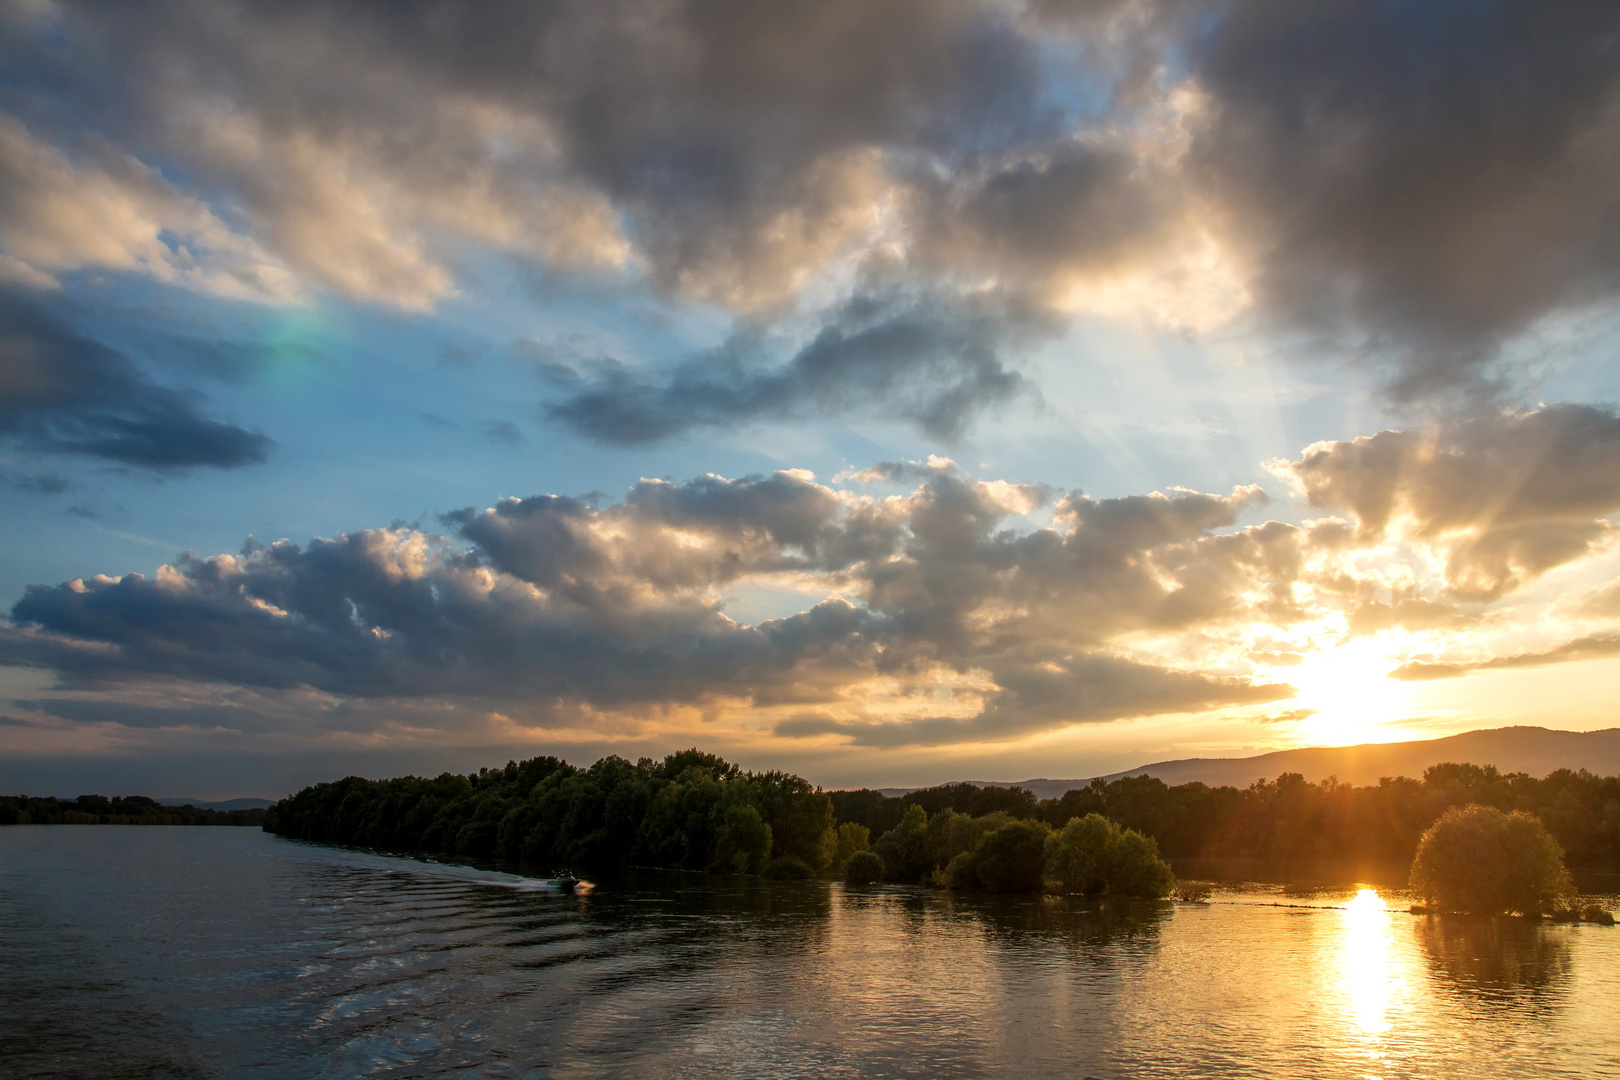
36	483
1432	177
503	433
61	392
934	364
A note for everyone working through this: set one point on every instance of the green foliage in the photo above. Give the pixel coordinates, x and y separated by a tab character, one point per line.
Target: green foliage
1093	855
881	813
1077	858
1008	858
863	868
1288	819
125	810
743	843
691	811
1478	859
1135	869
788	868
851	838
904	848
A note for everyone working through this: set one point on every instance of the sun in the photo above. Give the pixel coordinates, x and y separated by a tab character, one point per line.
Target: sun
1350	694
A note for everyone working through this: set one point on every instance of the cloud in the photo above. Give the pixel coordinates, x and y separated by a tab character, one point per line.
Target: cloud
554	608
1591	647
61	392
37	483
1508	496
1430	178
924	360
943	615
503	433
1032	697
111	212
1412	185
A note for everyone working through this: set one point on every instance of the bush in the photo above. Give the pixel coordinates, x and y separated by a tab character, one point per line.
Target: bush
1596	914
1135	869
1077	857
1008	859
1478	859
1194	892
863	868
1093	855
1592	913
788	868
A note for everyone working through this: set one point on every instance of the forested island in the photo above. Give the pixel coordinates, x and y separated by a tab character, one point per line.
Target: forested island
696	811
124	810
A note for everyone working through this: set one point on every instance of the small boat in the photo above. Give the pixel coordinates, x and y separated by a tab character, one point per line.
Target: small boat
564	879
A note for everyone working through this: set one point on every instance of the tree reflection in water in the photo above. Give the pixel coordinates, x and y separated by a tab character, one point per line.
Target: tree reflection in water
1497	961
1080	923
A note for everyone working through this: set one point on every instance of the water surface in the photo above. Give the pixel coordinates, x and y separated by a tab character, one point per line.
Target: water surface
227	952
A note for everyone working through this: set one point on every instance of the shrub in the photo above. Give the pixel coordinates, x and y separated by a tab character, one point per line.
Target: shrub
1195	892
1135	869
1478	859
1008	859
788	868
1592	913
1093	855
863	868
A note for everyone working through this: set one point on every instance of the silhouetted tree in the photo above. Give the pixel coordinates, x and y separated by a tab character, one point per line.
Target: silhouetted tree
1478	859
863	868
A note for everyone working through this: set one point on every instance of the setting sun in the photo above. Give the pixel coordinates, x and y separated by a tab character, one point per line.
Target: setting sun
1350	696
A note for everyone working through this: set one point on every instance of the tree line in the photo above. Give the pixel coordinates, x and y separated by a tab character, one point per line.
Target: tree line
1288	819
696	811
122	810
691	811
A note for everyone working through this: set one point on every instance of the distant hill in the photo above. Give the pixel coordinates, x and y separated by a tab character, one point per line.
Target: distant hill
228	804
1533	750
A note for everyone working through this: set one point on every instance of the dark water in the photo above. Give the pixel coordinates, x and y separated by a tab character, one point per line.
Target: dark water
198	952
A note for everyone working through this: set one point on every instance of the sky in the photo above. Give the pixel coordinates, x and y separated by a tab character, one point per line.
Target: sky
892	393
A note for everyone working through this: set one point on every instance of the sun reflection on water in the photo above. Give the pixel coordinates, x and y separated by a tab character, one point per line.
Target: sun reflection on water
1366	962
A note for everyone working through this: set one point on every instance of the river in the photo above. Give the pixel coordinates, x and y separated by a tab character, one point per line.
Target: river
226	952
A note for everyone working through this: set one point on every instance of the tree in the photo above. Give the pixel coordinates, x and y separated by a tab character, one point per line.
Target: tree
1094	855
904	848
1008	859
1077	856
1135	869
743	843
1480	860
851	838
863	868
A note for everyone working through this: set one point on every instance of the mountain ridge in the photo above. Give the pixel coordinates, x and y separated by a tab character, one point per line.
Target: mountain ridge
1535	750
